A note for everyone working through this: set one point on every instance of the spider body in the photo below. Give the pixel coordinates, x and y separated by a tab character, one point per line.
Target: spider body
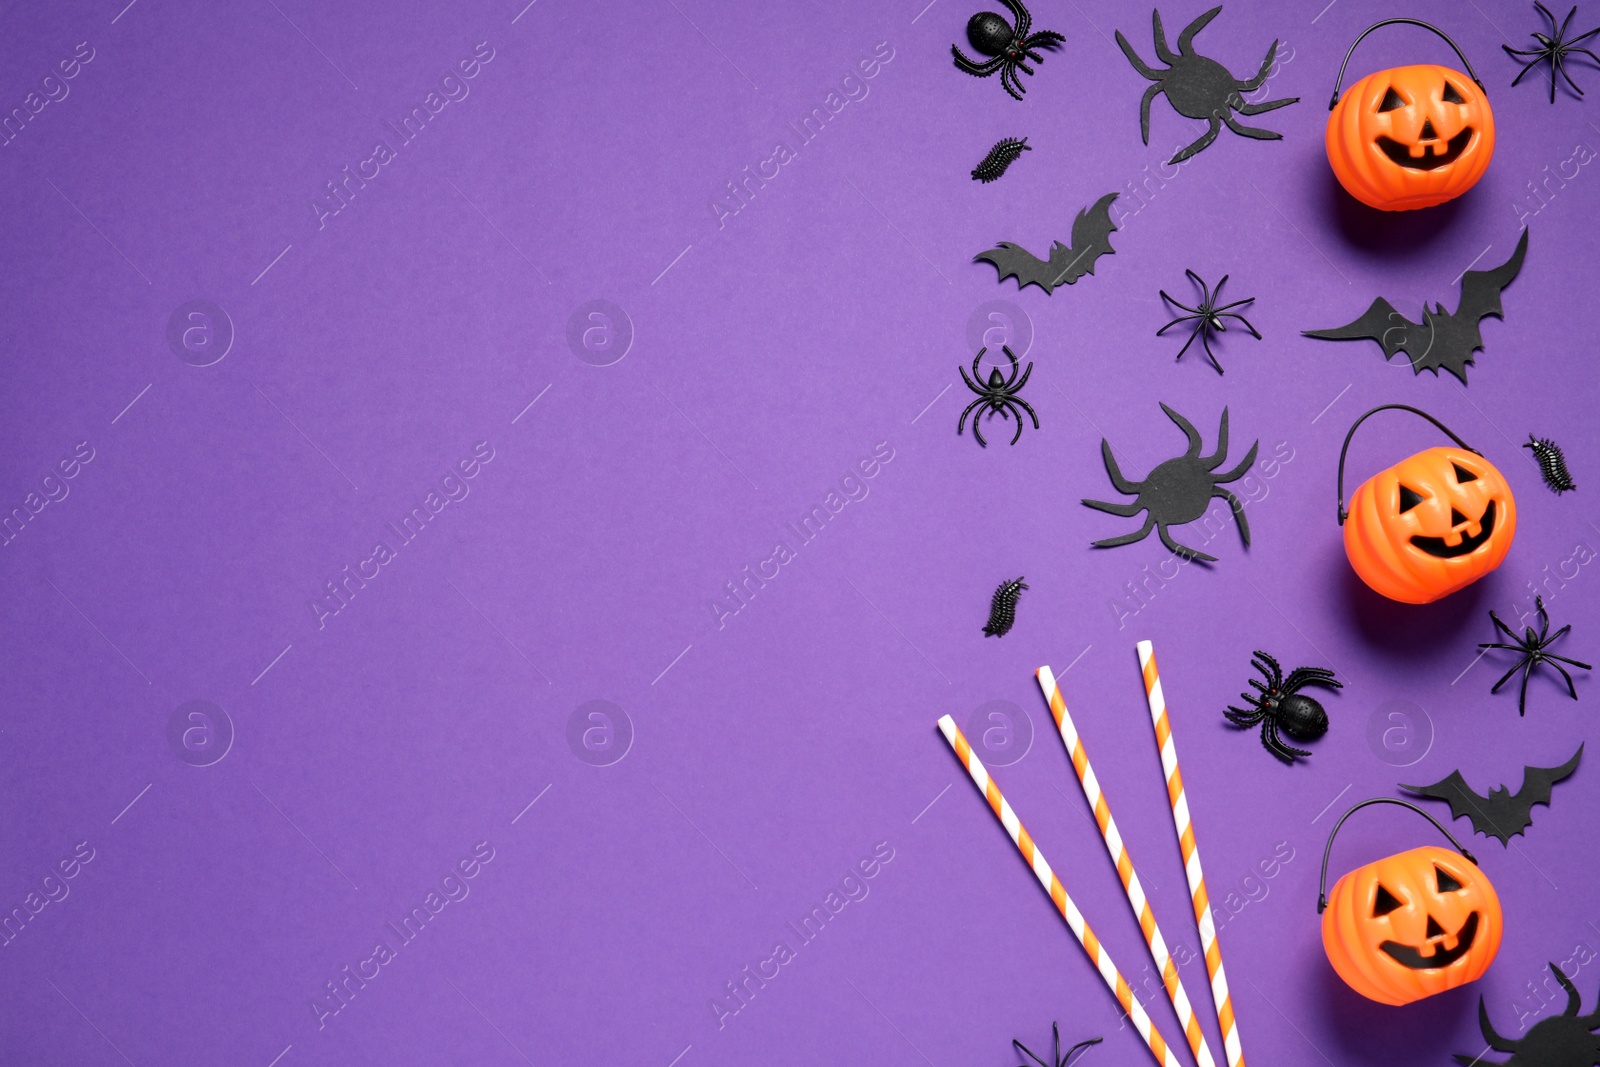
1565	1040
1178	490
1552	464
1198	87
1007	44
997	396
1533	648
1056	1058
1003	608
1553	49
1207	318
1280	706
1002	155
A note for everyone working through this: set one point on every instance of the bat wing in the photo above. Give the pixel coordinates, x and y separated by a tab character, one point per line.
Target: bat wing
1014	261
1462	800
1453	338
1480	289
1536	783
1383	324
1091	239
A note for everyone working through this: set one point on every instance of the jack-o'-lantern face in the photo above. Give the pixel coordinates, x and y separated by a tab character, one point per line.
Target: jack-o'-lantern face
1411	137
1412	925
1430	525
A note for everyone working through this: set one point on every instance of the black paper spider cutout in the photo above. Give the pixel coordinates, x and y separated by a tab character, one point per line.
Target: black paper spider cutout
1281	706
1006	44
1200	88
1056	1058
1178	490
999	394
1565	1040
1553	49
1532	646
1207	318
1552	464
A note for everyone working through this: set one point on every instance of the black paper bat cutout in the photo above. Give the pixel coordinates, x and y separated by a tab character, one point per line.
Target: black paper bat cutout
1501	814
1091	239
1441	339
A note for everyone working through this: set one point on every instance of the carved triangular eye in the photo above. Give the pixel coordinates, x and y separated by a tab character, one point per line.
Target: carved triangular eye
1391	100
1385	902
1463	476
1451	96
1447	882
1409	498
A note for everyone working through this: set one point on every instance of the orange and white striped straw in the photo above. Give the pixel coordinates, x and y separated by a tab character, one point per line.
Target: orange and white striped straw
1058	894
1131	885
1191	857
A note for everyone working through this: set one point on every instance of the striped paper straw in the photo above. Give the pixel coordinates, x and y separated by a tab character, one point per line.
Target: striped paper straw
1191	857
1125	869
1058	894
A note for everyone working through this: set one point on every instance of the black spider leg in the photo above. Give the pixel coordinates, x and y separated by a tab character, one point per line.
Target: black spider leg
1574	1001
1559	66
1240	717
1182	549
1588	1022
1204	140
1009	79
1496	1042
989	66
1551	658
1215	460
1301	677
1055	1029
1244	107
1147	71
982	396
1065	1060
1127	511
1268	666
1012	399
1199	327
1276	745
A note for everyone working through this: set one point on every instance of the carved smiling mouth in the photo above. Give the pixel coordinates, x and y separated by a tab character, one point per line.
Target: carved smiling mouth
1435	546
1407	956
1430	158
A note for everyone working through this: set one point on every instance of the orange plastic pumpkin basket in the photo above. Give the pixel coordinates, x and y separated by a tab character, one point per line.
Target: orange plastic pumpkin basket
1410	137
1410	925
1429	525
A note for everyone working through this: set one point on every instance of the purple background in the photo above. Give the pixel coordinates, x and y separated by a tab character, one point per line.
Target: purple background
752	763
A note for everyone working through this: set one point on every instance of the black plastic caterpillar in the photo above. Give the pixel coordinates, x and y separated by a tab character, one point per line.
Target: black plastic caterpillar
1003	608
1552	463
1001	156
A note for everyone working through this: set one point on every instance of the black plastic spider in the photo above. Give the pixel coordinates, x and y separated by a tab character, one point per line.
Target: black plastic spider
1207	317
1553	50
1200	88
1056	1058
1007	44
1000	394
1532	646
1281	707
1565	1040
1177	491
